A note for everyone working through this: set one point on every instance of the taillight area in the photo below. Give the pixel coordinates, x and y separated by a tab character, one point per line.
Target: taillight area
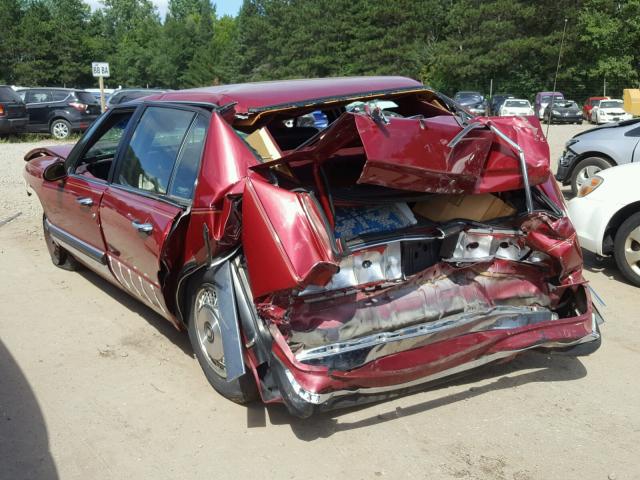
81	107
3	112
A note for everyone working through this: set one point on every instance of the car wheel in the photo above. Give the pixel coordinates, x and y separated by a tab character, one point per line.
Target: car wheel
586	169
59	256
60	129
626	249
205	335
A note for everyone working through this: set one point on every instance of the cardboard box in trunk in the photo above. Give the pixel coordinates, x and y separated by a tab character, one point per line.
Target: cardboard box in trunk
442	208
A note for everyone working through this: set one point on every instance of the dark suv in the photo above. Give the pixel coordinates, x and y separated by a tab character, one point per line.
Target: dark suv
129	94
13	113
59	111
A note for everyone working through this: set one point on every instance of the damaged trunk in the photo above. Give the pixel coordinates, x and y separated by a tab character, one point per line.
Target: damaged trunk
383	236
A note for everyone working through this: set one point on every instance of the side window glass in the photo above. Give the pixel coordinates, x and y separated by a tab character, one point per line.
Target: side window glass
58	95
186	169
152	152
96	161
39	96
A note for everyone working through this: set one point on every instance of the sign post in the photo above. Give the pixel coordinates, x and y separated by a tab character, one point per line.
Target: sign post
100	70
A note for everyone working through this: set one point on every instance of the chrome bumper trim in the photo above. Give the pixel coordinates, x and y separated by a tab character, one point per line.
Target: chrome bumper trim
321	398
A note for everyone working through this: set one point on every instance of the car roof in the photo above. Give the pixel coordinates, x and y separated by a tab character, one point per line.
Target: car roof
262	96
59	89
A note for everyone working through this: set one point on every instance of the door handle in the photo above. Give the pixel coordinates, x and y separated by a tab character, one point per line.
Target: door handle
85	201
142	227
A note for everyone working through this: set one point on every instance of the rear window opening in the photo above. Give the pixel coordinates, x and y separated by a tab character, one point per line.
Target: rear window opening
86	97
279	132
8	95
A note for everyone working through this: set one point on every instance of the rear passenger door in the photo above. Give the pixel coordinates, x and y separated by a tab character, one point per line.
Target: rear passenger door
39	101
152	186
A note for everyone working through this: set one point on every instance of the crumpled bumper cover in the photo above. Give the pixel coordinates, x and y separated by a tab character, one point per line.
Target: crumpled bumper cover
306	389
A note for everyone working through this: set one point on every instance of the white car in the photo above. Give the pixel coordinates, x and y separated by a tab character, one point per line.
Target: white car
516	106
606	215
609	111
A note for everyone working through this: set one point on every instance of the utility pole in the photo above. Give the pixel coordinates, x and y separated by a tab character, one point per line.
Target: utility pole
604	87
555	79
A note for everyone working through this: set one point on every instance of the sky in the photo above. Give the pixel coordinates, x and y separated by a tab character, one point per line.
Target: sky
223	7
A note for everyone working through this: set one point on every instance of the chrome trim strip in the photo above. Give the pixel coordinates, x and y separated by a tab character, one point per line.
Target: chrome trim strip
320	398
359	351
76	245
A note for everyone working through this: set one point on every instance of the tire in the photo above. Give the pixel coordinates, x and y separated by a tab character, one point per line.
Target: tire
59	256
626	249
206	340
60	128
585	169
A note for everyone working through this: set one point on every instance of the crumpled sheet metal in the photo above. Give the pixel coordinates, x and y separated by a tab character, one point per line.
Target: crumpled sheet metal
436	293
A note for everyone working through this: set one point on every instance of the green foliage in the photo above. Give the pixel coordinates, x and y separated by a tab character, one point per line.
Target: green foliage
449	44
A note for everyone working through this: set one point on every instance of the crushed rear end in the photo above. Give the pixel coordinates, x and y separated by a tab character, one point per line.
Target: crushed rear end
388	252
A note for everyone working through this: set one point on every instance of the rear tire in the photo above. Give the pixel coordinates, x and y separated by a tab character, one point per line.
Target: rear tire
206	340
626	249
585	169
59	256
60	128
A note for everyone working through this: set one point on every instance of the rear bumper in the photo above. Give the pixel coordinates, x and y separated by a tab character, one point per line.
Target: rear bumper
306	389
13	125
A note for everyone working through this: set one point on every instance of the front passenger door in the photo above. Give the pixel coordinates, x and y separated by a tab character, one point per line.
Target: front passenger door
151	187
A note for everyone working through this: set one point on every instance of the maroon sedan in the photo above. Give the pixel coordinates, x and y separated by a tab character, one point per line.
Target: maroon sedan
323	267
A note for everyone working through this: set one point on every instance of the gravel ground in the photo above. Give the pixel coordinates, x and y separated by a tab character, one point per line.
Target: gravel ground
94	385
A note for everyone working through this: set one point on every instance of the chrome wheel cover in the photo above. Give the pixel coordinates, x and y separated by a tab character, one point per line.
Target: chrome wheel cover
60	130
632	250
207	324
584	175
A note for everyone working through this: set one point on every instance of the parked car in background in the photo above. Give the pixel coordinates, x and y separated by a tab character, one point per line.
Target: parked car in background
474	102
13	112
59	111
515	106
589	104
127	94
96	93
323	268
563	111
496	102
591	151
606	214
609	111
543	99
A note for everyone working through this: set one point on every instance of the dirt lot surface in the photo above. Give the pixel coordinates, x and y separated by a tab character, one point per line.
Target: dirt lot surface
95	386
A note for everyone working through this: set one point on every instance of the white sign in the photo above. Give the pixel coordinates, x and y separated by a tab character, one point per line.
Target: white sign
100	69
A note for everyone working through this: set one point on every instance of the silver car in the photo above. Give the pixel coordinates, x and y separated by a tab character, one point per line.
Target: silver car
593	150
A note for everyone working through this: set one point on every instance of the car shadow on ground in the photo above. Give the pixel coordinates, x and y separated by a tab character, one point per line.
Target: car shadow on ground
604	265
548	368
24	441
162	325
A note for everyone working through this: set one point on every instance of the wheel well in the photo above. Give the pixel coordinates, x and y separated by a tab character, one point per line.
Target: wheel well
614	224
59	117
585	155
